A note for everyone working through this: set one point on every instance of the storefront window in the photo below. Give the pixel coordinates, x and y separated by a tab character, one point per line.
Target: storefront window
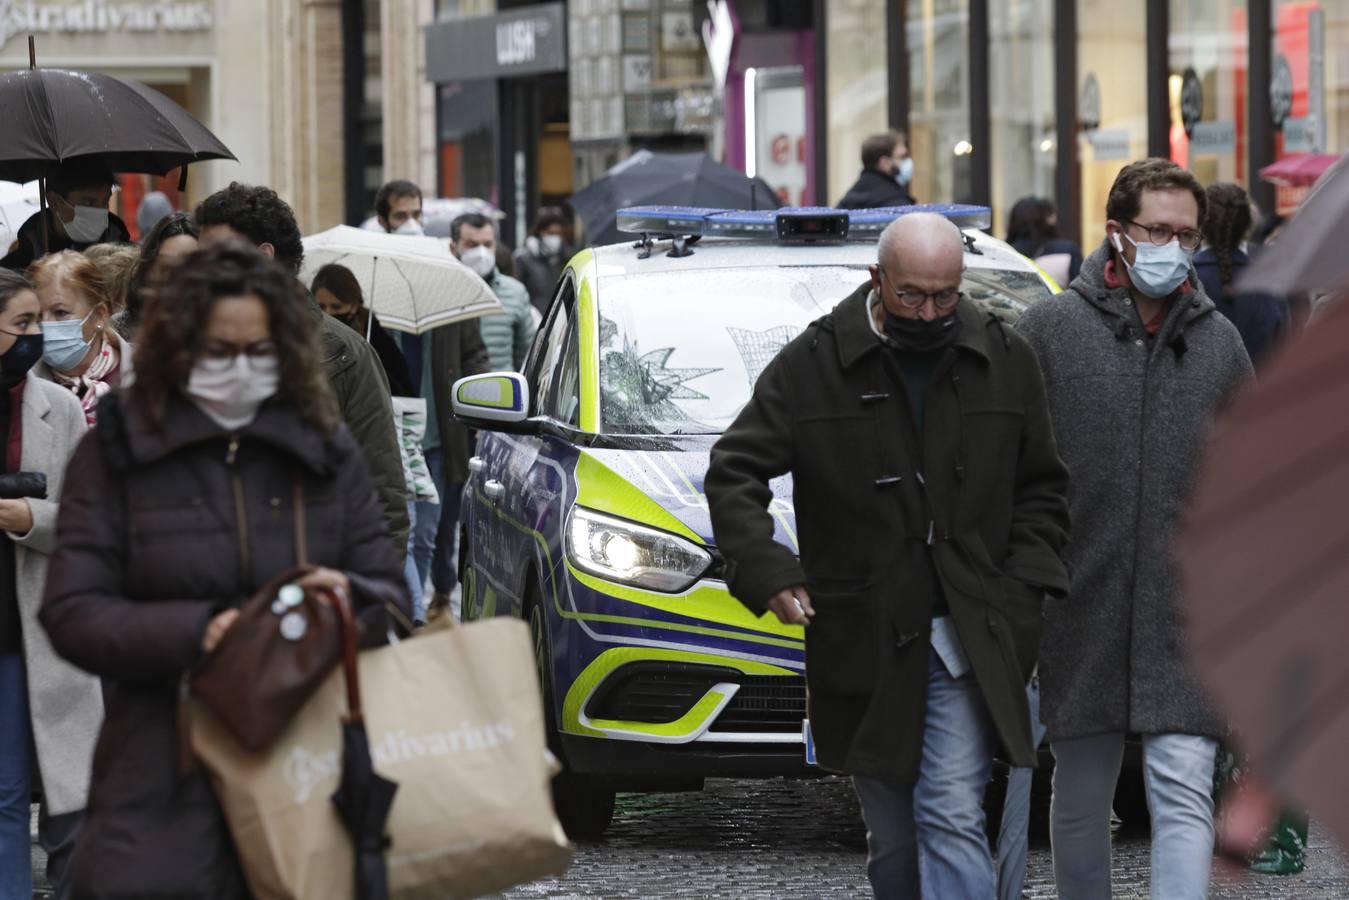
1021	83
1310	94
1112	102
468	139
856	79
1207	88
939	100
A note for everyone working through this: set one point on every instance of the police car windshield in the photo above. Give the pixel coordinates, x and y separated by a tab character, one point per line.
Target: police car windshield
680	351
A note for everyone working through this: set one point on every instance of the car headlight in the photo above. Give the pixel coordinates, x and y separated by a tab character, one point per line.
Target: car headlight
633	554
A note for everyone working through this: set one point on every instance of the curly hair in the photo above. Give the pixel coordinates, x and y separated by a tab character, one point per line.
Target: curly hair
174	330
139	288
1227	224
259	214
1152	174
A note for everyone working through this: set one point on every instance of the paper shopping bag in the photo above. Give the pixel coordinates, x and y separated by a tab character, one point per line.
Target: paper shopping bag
455	718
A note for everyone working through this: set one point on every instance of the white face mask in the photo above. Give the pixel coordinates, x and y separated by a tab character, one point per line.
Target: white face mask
231	391
551	243
88	225
410	227
480	259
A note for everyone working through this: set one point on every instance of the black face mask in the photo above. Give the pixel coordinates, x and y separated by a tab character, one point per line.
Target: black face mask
918	336
18	359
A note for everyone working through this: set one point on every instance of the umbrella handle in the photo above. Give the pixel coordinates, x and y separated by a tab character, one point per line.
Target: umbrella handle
339	602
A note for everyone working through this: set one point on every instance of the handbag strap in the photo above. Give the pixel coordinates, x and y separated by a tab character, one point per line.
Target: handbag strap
301	524
350	671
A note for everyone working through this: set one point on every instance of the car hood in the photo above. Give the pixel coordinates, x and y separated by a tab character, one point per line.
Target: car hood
672	472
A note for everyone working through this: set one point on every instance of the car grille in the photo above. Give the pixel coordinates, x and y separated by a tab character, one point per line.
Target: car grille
655	692
765	704
663	692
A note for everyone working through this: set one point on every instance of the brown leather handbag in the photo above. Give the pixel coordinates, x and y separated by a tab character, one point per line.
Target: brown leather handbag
283	645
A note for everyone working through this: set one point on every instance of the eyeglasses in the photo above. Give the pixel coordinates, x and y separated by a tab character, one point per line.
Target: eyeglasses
1163	234
944	301
220	356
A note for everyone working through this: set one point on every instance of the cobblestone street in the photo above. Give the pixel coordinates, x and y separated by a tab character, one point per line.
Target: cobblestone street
776	839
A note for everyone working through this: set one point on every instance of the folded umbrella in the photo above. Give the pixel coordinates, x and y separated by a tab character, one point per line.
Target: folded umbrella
55	116
665	179
1265	556
413	284
363	797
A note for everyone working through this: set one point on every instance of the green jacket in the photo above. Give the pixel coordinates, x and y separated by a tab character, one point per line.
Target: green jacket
975	509
362	390
508	335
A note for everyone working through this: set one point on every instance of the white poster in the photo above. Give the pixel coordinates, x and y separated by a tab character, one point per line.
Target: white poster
780	136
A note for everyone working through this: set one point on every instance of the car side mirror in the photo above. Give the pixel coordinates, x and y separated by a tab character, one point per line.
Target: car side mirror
497	401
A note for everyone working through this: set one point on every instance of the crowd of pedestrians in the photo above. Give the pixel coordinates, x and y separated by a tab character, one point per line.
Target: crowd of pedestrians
225	394
1022	484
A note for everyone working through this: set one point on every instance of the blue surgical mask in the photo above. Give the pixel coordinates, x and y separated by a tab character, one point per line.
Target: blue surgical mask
1158	269
904	174
63	343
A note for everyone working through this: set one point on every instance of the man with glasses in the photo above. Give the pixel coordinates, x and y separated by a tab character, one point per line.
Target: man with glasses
932	507
1136	362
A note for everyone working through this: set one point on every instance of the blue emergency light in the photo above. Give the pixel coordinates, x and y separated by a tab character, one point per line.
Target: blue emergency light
791	223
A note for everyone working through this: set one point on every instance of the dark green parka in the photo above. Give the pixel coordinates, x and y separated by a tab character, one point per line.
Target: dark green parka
977	509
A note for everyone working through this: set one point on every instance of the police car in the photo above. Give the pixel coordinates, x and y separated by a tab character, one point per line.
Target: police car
584	512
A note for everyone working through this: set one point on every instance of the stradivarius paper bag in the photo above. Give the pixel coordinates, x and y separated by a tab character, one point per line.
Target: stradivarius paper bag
455	717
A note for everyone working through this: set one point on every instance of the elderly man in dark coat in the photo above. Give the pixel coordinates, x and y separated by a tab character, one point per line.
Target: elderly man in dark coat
932	507
1136	363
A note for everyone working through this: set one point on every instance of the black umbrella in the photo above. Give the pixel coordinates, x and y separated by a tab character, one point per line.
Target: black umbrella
665	179
55	116
363	798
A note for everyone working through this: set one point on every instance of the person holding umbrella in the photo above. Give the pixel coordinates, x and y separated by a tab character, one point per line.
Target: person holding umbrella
77	217
1137	362
230	410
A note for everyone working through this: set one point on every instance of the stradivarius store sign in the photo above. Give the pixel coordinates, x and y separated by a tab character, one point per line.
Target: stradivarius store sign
57	17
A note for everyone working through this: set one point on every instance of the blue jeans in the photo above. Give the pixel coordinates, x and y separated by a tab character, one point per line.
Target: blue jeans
1014	833
416	584
1178	775
434	531
927	839
16	781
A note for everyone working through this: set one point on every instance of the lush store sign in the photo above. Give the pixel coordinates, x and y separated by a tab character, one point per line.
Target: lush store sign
52	17
526	40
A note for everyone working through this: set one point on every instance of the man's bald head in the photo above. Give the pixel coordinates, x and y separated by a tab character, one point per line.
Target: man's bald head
920	238
921	252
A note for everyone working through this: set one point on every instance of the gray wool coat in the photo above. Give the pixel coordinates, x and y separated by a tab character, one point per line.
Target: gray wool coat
1131	417
65	704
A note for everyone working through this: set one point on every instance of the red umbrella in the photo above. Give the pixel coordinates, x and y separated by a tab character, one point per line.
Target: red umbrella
1265	556
1299	170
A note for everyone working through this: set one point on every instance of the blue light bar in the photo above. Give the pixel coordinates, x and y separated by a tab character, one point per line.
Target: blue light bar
788	223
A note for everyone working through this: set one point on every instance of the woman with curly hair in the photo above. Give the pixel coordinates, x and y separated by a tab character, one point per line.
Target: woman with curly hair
177	509
1260	318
